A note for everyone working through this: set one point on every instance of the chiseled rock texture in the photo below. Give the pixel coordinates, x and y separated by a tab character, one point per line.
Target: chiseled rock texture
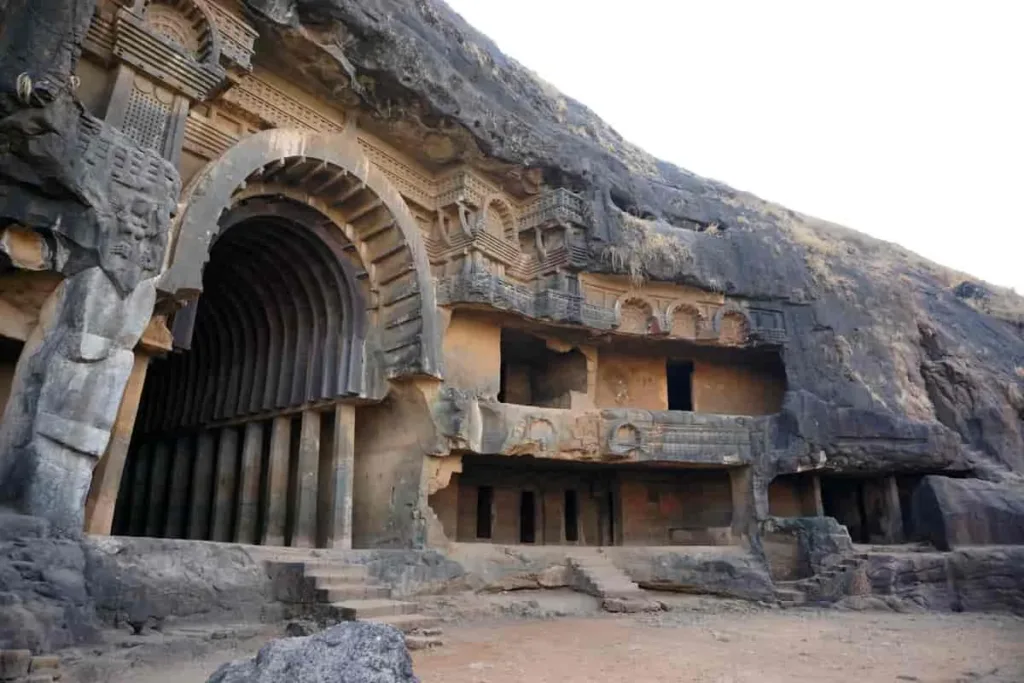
352	652
893	362
956	512
44	599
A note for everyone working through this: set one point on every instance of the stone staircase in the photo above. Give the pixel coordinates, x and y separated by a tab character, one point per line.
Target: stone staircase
825	587
345	592
594	574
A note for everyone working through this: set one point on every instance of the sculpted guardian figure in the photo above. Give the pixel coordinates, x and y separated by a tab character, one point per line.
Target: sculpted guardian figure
98	207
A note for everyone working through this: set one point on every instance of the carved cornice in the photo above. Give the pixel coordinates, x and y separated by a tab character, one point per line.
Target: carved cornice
162	60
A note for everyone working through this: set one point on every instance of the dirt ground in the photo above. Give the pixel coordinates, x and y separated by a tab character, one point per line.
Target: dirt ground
551	637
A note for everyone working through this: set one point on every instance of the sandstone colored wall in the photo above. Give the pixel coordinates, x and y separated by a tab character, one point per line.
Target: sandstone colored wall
736	389
549	495
792	496
676	508
389	488
626	381
472	354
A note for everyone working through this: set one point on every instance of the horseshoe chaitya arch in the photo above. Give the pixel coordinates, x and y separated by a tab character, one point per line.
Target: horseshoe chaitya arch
330	173
282	323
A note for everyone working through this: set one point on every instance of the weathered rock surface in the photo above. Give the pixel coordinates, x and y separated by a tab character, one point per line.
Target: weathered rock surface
141	582
957	512
353	652
44	600
968	580
913	366
723	571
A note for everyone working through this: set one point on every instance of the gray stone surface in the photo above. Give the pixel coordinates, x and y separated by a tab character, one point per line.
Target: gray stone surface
353	652
950	512
141	582
45	602
730	572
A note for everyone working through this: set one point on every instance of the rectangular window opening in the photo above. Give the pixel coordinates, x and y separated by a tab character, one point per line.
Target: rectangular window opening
680	385
572	517
527	517
484	505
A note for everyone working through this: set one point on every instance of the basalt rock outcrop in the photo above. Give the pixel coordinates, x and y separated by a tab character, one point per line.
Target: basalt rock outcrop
901	344
357	651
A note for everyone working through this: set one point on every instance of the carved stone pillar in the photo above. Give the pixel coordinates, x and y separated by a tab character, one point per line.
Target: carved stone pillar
336	473
304	534
203	473
224	490
277	481
249	484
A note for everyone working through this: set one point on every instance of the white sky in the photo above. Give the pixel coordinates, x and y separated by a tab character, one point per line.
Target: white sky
900	118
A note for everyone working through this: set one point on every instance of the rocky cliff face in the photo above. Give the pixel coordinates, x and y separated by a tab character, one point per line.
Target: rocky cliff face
882	343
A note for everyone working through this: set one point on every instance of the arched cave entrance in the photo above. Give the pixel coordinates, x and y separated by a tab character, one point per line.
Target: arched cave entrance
236	436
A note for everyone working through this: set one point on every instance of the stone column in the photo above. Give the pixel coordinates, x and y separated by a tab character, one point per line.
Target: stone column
338	468
819	506
249	484
202	485
744	514
224	489
304	534
156	504
106	478
894	512
276	510
177	499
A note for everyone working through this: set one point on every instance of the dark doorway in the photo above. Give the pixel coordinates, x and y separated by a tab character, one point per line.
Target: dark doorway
484	505
606	514
680	384
572	517
527	517
843	500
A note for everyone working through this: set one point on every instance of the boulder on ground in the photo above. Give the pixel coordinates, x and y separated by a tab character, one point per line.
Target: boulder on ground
352	652
950	513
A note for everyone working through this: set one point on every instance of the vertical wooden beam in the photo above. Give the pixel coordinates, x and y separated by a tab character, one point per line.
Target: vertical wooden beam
203	473
337	471
249	484
224	489
156	505
106	477
304	534
177	500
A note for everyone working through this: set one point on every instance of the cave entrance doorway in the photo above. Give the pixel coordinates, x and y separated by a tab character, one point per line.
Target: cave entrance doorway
527	517
237	432
869	507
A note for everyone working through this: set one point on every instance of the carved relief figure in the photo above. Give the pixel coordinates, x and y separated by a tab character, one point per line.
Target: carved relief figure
105	205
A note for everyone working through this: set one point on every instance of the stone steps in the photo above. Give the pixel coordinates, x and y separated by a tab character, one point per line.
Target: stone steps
340	592
353	610
348	591
597	576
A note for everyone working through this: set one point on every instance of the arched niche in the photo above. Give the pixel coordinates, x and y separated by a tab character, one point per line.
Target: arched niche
685	321
733	326
634	315
329	172
186	23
